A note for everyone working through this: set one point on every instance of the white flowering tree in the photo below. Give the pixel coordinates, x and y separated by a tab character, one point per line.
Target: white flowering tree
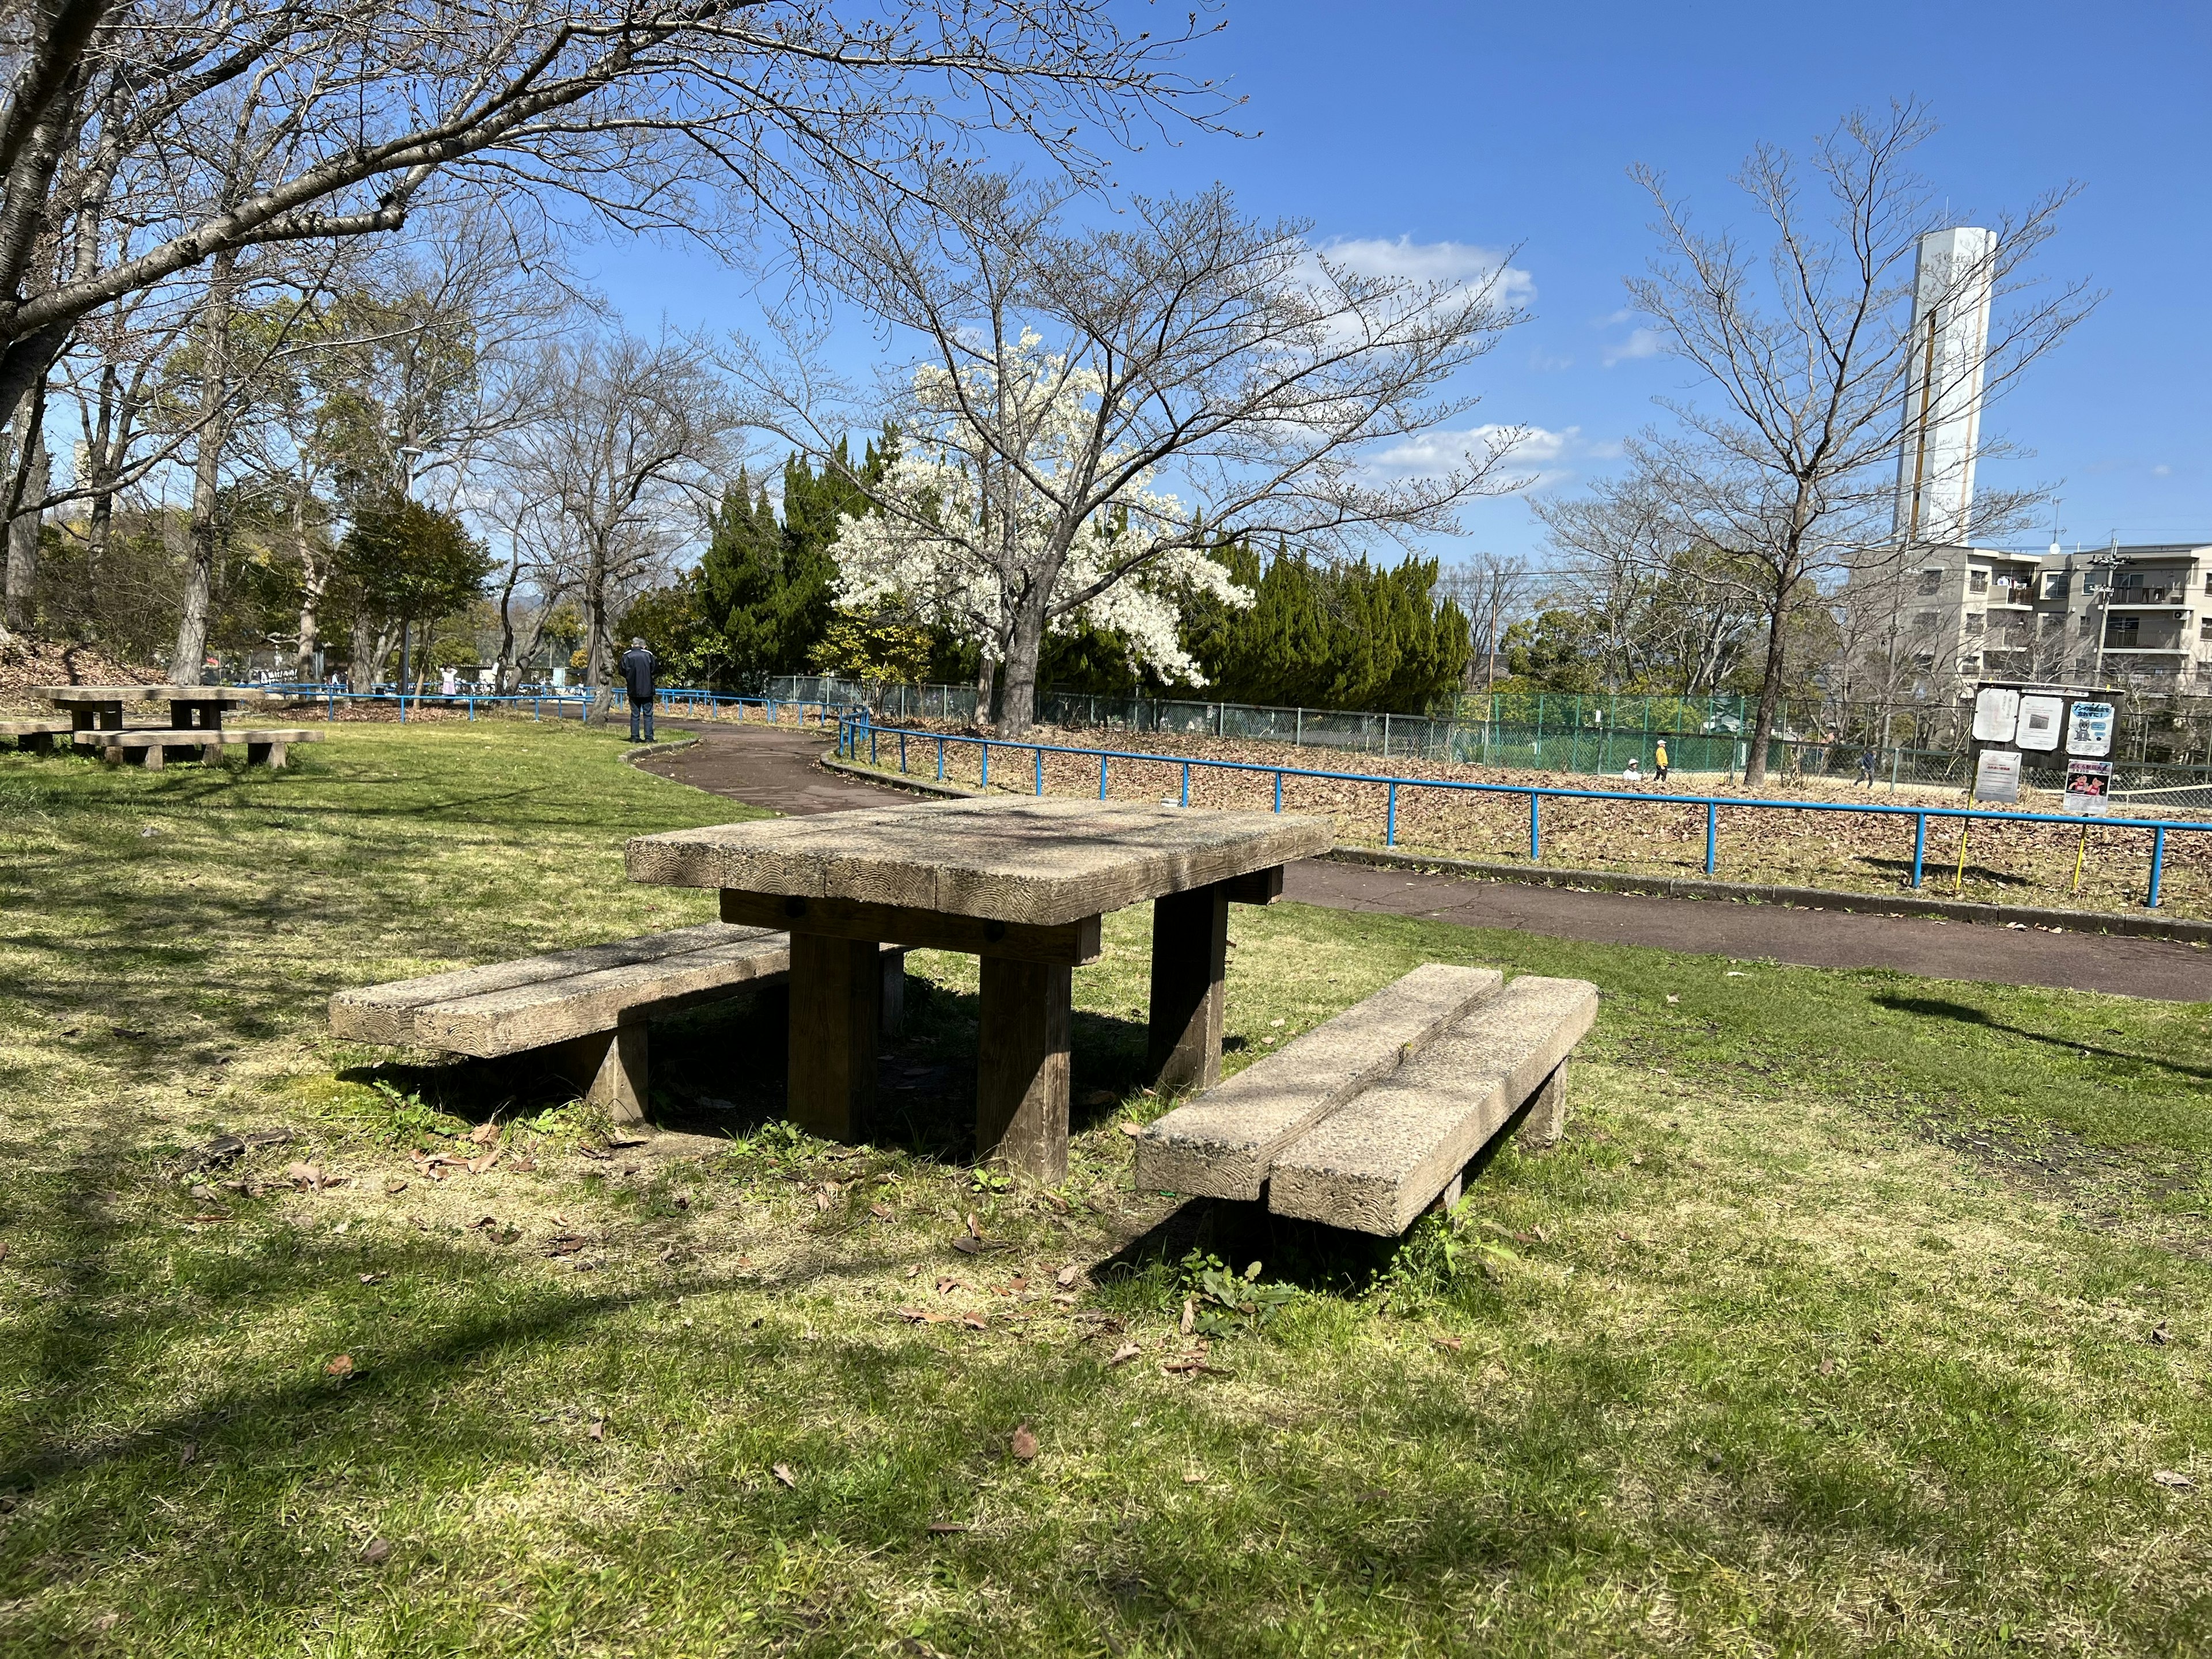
1068	375
963	537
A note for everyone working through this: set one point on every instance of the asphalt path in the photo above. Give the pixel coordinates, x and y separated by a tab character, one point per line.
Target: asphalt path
778	769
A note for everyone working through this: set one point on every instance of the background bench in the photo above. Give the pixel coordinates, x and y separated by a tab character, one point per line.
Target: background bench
151	745
585	1010
1371	1117
34	734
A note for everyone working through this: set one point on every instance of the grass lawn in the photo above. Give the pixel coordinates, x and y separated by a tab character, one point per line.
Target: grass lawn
1856	1313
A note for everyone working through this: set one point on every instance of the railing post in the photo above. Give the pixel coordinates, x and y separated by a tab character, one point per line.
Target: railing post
983	773
1535	830
1390	818
901	754
2157	865
871	743
1278	792
1920	847
1101	777
1040	770
1712	832
940	760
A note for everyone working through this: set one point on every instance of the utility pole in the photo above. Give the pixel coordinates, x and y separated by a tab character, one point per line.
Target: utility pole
2107	561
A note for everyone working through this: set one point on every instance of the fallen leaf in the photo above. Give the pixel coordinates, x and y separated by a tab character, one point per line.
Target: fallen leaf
1673	1000
211	1217
1066	1298
524	1165
597	1430
1189	1316
1132	1130
2174	1479
4	1249
1096	1098
923	1316
484	1221
945	1284
1024	1444
1067	1275
782	1472
2159	1335
1450	1342
375	1279
1191	1479
205	1194
881	1212
341	1367
107	1621
944	1527
377	1552
1124	1354
1193	1368
915	1271
309	1175
1827	1366
974	1230
478	1165
484	1134
394	1187
593	1154
620	1141
189	1451
1020	1282
567	1244
967	1246
975	1322
821	1198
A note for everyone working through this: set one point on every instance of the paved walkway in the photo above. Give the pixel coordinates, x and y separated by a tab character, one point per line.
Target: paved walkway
776	769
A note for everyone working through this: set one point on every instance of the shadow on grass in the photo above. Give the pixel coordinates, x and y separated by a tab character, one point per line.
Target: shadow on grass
1938	1008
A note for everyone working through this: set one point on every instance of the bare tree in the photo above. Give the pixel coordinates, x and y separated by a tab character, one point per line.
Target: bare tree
1495	589
1072	379
695	116
618	470
1806	348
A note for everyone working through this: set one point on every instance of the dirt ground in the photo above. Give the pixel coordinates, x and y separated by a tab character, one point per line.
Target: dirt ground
779	769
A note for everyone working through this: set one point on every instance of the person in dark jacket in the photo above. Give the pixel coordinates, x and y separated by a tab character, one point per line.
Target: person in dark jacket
637	666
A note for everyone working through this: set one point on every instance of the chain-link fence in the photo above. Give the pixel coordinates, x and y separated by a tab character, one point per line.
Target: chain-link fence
1923	743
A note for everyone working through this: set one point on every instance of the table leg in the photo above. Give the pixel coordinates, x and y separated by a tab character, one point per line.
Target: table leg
836	1011
1190	954
1022	1068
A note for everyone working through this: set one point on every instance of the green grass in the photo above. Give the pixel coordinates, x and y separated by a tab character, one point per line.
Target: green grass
1829	1328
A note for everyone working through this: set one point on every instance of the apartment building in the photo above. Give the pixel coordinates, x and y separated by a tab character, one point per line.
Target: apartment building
2137	616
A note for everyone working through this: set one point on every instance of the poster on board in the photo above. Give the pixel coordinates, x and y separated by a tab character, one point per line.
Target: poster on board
2088	788
2041	720
1996	776
1996	713
2089	729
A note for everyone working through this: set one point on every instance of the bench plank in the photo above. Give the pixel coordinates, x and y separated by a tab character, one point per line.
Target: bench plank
1220	1145
385	1014
1374	1165
534	1016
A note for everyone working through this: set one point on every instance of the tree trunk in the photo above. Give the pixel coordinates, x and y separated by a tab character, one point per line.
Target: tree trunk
1770	688
595	638
187	665
1024	648
29	477
987	679
314	576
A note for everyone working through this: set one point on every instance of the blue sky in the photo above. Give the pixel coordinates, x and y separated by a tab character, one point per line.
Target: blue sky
1499	127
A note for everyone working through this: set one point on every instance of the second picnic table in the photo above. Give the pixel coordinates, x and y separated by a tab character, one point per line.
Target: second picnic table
1021	884
196	714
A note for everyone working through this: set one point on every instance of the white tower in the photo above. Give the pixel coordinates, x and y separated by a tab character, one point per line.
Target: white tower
1950	341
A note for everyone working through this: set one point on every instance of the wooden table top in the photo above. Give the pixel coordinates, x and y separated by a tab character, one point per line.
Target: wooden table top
64	695
1041	861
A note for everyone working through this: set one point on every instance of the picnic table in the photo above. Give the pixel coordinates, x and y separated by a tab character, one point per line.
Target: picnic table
1021	884
191	708
196	715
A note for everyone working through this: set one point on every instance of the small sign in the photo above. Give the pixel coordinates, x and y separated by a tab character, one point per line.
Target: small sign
2041	720
1996	713
2089	729
1996	776
2088	788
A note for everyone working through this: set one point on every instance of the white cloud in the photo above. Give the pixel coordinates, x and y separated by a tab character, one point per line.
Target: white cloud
1532	463
1640	343
1465	265
2161	471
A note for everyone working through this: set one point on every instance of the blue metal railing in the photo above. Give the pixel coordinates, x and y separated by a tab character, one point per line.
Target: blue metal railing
855	724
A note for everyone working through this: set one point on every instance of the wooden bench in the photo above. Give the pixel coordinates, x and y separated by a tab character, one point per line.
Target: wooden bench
584	1010
36	736
1372	1117
151	745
